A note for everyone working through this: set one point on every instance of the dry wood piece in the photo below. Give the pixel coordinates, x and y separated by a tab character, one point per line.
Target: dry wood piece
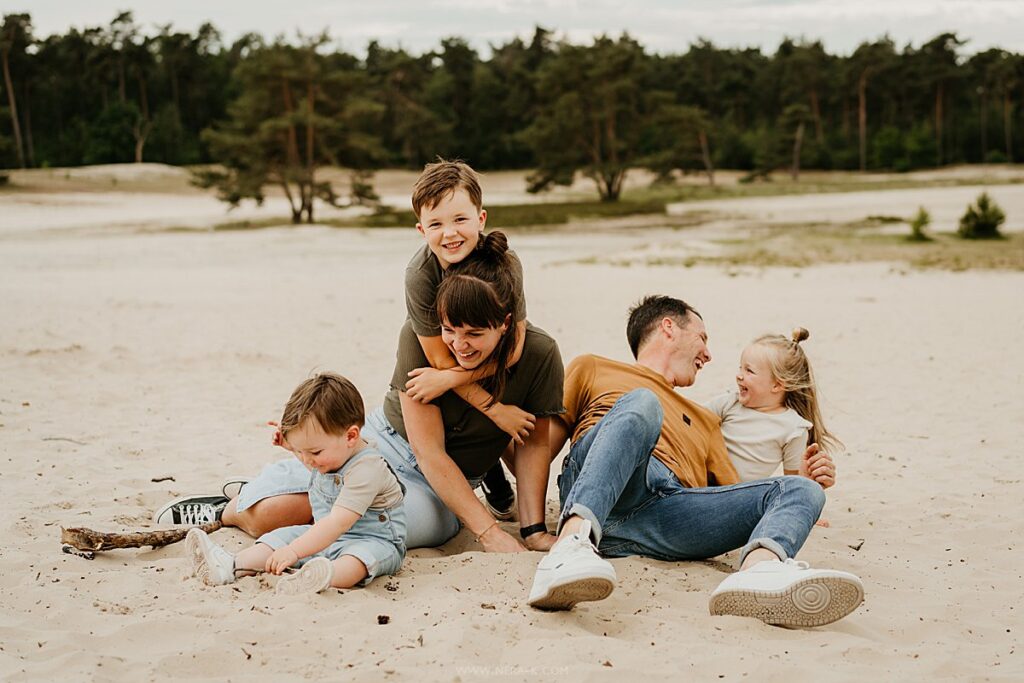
89	540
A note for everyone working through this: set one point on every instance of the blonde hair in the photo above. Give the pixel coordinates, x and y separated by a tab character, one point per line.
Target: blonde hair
789	366
330	398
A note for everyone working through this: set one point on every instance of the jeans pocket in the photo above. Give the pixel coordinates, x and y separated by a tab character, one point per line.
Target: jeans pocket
660	479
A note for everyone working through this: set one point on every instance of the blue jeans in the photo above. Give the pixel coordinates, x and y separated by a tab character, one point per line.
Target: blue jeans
637	506
429	521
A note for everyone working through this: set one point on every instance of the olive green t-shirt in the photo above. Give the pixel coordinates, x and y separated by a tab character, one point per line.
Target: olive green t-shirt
472	441
422	278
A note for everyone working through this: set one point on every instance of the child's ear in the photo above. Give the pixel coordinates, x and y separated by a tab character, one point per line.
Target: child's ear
483	219
352	435
419	229
505	325
778	387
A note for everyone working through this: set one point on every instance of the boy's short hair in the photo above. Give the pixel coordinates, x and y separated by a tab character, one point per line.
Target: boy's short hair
330	398
646	315
440	179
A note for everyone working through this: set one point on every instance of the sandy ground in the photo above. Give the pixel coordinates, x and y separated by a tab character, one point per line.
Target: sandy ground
128	357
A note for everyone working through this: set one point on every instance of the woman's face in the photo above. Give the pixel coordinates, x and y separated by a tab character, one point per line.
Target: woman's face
471	346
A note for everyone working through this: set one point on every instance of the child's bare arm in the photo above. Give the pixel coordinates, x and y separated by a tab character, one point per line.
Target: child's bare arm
426	384
444	374
322	534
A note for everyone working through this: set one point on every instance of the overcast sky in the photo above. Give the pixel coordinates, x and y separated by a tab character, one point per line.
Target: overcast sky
660	25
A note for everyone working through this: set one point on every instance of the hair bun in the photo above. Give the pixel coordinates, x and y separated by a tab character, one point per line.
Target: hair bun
800	334
493	245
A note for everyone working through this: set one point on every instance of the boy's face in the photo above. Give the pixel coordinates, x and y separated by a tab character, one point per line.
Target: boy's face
321	451
452	228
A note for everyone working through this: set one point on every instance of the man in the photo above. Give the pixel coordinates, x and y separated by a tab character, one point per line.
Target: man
683	503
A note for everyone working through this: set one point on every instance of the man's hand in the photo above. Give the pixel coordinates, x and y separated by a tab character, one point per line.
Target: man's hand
496	540
818	465
426	384
281	560
512	420
540	541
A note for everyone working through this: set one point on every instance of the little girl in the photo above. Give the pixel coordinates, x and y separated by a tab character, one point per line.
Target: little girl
773	415
359	527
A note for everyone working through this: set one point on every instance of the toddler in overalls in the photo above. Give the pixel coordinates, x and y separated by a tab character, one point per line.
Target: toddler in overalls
358	530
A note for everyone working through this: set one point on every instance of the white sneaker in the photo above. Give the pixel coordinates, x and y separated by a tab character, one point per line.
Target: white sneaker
572	572
788	593
313	577
211	563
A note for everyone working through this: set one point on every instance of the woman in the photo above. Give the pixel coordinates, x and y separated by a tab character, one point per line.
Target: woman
442	449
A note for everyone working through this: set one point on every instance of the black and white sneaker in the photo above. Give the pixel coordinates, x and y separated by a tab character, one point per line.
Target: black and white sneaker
232	486
191	510
499	498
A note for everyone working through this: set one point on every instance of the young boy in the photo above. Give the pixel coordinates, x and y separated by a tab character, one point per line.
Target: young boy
359	520
448	204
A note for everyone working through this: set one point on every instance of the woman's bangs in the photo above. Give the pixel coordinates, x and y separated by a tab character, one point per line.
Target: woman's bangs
467	302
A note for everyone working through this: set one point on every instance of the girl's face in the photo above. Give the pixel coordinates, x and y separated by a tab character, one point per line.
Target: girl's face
758	389
471	346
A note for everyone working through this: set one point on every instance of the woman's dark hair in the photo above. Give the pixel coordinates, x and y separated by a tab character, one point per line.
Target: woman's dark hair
480	291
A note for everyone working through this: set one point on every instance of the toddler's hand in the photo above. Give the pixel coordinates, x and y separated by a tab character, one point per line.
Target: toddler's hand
823	523
281	560
277	439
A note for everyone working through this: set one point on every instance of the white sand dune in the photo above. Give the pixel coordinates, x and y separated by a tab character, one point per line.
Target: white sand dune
131	357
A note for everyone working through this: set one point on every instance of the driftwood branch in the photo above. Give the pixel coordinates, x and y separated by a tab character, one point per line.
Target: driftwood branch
87	540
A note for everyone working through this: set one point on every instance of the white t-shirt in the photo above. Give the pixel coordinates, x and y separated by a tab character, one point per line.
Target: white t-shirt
759	442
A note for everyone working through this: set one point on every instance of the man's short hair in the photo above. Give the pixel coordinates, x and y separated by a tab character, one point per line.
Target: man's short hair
646	315
440	179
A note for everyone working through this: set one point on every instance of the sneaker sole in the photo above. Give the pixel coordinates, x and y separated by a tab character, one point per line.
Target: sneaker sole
313	577
809	602
195	547
565	595
501	515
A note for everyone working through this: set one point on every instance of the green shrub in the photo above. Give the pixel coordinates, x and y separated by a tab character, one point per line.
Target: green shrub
982	220
921	220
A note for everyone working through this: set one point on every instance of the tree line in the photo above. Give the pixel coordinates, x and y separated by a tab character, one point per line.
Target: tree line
274	111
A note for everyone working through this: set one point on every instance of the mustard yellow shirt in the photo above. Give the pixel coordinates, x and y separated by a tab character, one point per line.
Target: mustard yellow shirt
691	443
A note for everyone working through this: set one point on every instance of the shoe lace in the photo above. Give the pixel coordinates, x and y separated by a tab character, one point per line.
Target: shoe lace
797	563
197	513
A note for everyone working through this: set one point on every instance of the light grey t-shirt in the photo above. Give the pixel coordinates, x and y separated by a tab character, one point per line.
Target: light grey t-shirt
759	442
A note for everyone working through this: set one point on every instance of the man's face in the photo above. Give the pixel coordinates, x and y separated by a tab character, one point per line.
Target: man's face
689	344
452	228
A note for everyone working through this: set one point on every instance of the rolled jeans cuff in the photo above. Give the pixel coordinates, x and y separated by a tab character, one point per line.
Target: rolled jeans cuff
767	544
587	514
